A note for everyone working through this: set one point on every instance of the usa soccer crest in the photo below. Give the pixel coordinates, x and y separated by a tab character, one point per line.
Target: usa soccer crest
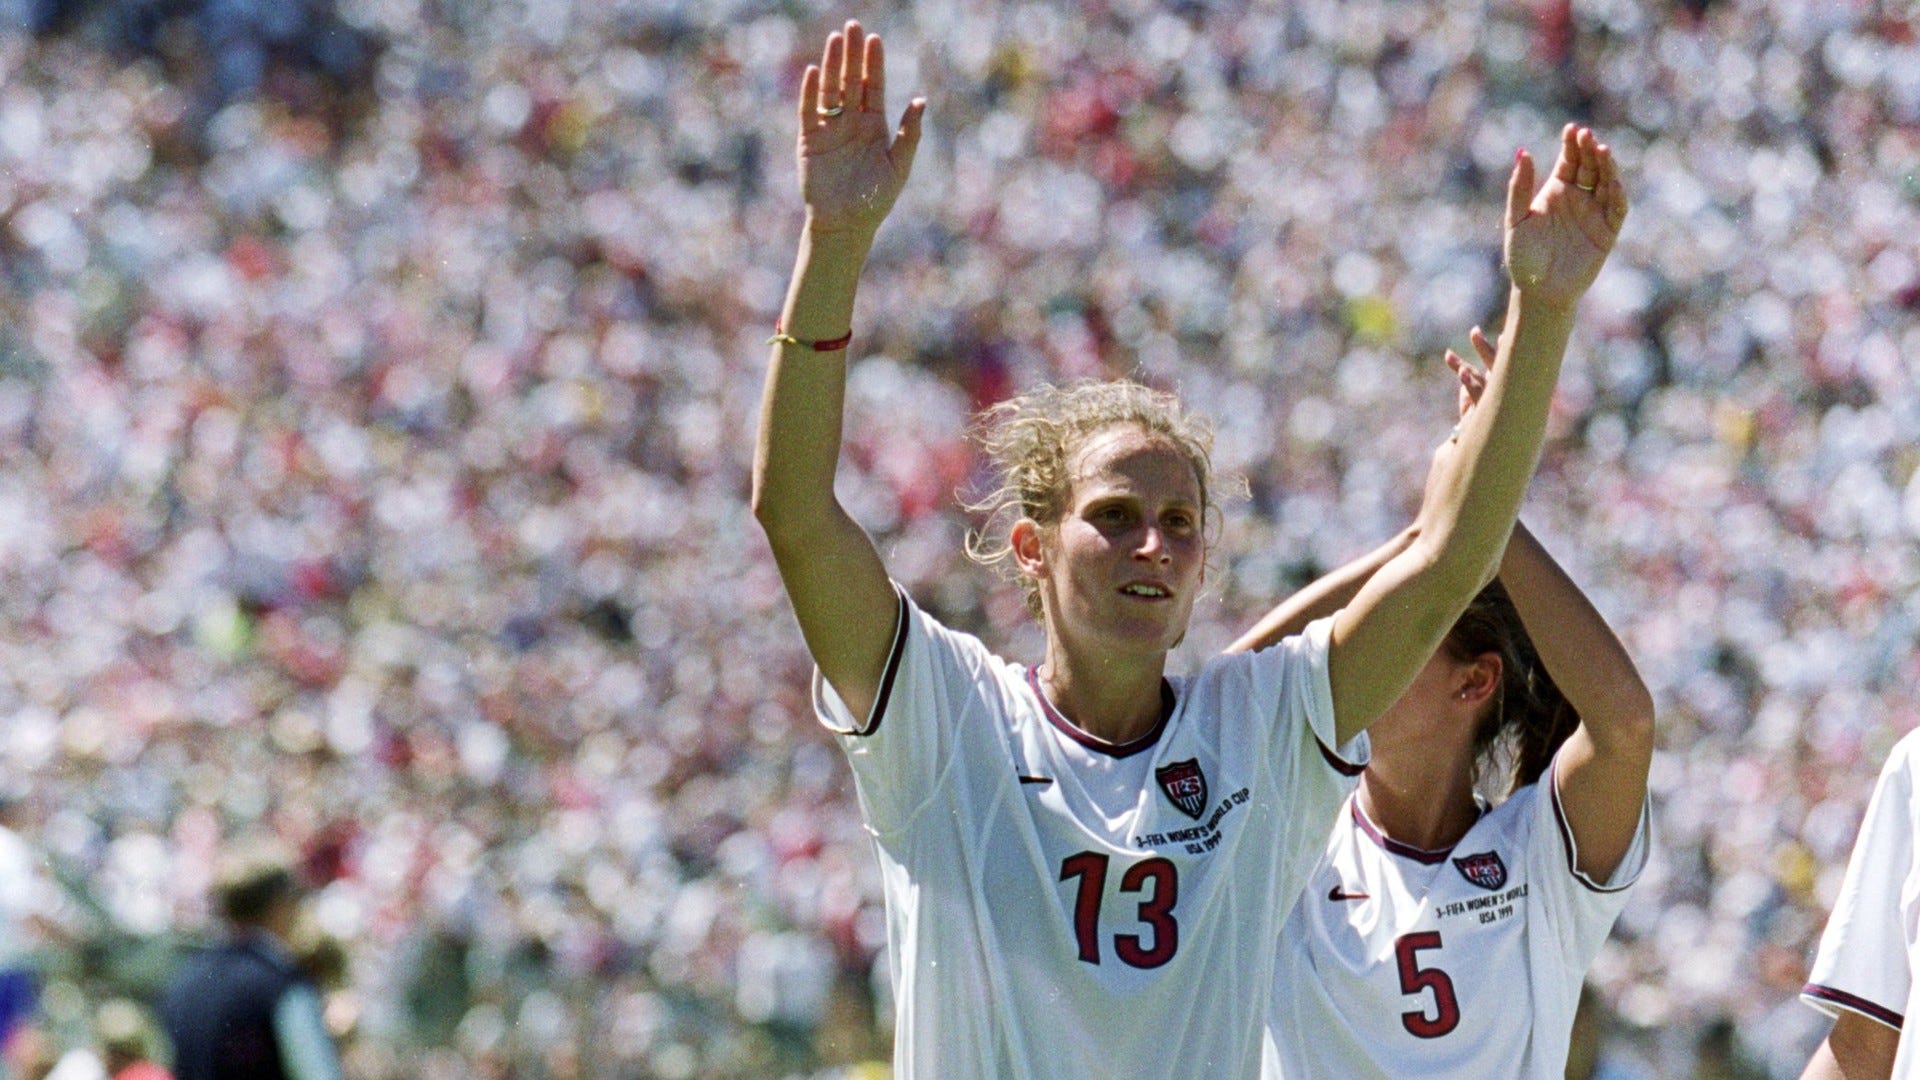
1485	869
1186	785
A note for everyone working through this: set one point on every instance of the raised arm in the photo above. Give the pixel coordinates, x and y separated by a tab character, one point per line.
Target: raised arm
1555	242
1327	594
852	167
1336	589
1602	767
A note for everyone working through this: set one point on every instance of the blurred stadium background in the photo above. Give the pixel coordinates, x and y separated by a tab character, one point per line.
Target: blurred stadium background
377	381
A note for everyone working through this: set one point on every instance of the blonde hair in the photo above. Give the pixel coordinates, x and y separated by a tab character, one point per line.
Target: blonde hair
1031	440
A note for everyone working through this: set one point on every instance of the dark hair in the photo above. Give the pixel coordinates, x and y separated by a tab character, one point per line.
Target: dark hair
251	881
1529	717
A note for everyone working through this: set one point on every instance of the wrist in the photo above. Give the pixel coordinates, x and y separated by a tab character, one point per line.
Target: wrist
839	238
1542	308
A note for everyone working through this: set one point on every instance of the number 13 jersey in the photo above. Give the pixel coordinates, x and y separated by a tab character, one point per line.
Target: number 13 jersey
1463	963
1058	906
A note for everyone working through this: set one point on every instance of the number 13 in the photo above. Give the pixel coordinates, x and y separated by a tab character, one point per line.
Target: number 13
1156	910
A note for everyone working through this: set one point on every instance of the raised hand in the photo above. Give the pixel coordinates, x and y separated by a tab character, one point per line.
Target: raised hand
1557	238
1473	380
851	166
1473	383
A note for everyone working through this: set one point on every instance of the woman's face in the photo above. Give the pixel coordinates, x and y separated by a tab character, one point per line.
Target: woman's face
1122	567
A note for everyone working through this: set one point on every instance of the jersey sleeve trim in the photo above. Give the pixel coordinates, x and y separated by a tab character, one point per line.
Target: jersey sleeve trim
1822	996
1339	764
1349	760
902	618
1635	856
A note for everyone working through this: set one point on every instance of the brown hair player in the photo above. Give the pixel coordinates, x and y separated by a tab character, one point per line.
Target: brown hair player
1441	936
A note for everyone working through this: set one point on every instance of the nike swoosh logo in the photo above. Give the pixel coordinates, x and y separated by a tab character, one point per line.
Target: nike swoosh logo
1035	779
1338	893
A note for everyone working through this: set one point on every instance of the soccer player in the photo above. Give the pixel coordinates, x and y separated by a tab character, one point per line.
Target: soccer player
1084	860
1863	973
1439	936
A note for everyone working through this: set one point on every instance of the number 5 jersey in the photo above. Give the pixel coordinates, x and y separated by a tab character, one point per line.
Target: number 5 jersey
1458	964
1060	906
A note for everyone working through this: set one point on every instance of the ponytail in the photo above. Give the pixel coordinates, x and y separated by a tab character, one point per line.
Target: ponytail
1529	717
1538	735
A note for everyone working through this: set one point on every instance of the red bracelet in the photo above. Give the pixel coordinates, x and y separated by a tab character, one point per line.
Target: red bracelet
781	337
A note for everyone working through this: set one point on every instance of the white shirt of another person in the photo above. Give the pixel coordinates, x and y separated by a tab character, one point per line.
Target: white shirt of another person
1062	907
1872	941
1459	964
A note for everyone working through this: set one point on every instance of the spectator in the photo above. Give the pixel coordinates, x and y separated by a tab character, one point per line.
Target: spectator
24	918
243	1008
126	1042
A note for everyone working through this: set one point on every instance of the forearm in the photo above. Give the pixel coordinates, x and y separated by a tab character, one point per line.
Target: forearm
1470	512
826	274
1402	613
805	393
1579	650
1327	594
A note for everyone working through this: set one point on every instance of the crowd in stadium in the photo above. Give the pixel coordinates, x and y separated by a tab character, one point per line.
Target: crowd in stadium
375	414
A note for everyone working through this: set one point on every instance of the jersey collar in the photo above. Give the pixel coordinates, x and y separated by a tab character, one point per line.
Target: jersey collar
1093	742
1429	856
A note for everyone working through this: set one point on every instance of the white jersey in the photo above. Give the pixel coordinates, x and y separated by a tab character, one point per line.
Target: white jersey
1872	942
1058	906
1460	963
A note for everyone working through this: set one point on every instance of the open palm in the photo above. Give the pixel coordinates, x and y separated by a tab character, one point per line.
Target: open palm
852	166
1557	240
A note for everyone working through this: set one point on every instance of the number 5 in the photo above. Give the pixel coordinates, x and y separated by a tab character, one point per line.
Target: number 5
1413	980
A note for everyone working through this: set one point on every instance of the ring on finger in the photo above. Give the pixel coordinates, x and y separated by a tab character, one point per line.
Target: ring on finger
1586	187
835	111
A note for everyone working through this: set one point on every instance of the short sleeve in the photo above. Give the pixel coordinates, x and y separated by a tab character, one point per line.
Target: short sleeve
833	713
1862	963
935	682
1309	774
1298	664
1580	909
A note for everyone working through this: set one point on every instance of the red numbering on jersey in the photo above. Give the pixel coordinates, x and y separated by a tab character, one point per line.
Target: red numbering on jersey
1414	978
1091	868
1156	878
